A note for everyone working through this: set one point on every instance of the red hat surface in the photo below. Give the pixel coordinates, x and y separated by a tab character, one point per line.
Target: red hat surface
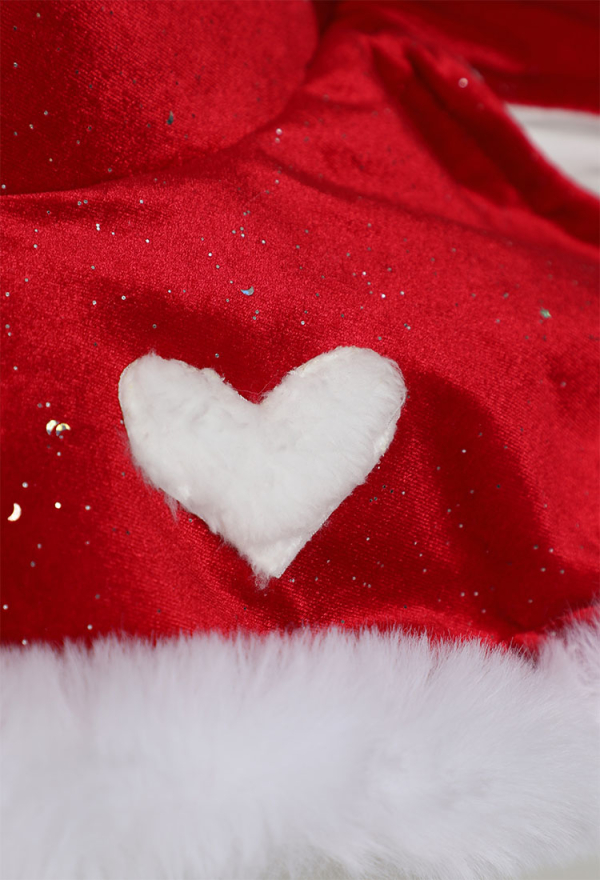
299	488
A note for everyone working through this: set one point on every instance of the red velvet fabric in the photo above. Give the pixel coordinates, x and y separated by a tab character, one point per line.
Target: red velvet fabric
376	195
106	89
529	51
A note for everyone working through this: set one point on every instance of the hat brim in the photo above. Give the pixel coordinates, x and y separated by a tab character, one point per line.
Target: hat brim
288	755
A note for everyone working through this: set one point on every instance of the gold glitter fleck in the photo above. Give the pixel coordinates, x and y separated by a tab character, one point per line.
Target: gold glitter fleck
16	512
60	427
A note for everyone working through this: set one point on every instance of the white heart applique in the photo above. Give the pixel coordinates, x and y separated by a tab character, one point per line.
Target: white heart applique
264	476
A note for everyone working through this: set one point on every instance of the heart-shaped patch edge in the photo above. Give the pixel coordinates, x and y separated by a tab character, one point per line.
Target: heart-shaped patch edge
367	388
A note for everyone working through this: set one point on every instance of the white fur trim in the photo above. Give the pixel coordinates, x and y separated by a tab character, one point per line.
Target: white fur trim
264	476
217	759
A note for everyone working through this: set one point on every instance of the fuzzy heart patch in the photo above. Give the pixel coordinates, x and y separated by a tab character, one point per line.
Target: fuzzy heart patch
263	476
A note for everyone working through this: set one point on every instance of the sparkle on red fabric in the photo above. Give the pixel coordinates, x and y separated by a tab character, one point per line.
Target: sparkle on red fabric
358	170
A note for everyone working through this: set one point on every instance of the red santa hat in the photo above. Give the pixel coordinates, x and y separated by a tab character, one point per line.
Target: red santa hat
299	442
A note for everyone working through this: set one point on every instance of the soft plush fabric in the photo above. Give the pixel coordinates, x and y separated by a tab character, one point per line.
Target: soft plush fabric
241	189
208	758
264	476
94	90
538	53
392	205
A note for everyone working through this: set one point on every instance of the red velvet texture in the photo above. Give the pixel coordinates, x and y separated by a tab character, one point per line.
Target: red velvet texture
367	183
